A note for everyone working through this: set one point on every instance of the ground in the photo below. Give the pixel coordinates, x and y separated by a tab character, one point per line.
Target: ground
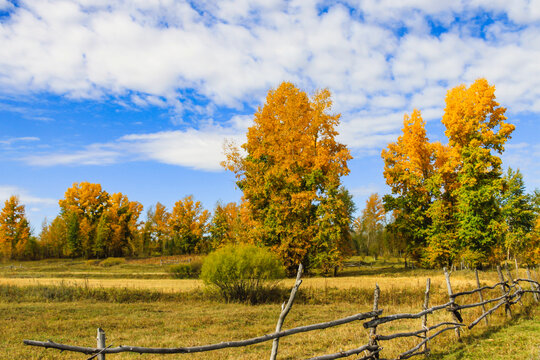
137	303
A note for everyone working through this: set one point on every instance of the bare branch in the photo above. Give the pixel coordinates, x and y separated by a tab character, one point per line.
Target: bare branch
374	349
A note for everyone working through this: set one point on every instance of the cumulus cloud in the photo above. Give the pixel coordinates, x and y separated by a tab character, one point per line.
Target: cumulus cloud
379	59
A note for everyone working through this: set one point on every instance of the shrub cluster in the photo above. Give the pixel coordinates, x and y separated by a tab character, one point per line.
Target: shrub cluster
112	261
244	273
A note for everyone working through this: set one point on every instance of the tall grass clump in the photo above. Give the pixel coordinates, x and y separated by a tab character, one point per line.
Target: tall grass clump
244	273
112	261
191	270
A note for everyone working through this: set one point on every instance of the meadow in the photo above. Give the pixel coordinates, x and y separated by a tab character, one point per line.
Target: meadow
67	300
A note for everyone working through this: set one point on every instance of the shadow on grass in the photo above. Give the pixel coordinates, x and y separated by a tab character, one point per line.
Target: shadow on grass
461	350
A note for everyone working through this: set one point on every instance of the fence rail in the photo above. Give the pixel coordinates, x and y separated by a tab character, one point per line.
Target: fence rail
511	293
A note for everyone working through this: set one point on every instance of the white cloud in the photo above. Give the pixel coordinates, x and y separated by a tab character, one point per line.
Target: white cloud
6	191
12	140
198	149
230	52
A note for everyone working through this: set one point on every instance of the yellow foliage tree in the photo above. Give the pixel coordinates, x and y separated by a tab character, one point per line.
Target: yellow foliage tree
188	224
293	164
14	231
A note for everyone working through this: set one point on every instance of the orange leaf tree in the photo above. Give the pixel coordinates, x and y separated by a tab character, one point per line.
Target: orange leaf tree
14	231
290	175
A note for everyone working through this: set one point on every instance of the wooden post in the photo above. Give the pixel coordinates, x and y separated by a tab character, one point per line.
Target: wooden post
533	286
101	342
285	308
507	309
373	330
481	296
517	268
452	310
424	318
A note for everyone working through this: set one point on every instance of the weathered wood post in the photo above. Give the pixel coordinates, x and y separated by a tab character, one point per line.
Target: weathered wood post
452	308
534	287
504	292
481	296
424	318
101	342
517	268
373	330
285	308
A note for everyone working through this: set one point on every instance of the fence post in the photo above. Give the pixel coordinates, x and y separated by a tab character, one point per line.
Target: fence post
285	308
507	309
534	287
373	330
424	318
452	305
101	342
517	267
481	296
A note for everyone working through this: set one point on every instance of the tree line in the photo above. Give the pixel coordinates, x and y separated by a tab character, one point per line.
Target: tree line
448	202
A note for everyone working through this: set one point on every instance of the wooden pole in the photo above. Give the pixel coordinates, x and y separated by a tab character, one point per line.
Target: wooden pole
373	330
507	309
424	318
517	267
101	342
481	296
285	308
533	286
451	308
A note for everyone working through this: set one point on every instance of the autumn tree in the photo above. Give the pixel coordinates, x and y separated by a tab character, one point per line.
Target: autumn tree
188	225
408	168
15	242
292	165
369	226
477	131
82	207
53	238
224	225
446	196
156	229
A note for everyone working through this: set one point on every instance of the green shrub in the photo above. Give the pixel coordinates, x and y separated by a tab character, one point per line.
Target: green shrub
190	270
242	272
93	262
112	261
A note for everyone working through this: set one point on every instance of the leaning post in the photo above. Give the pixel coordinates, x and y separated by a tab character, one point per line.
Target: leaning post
481	296
452	305
504	292
534	287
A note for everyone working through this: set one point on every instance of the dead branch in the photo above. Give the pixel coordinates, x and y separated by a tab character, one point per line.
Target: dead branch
372	348
409	353
415	333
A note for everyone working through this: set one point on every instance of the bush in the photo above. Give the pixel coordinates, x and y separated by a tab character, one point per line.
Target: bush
242	272
112	261
190	270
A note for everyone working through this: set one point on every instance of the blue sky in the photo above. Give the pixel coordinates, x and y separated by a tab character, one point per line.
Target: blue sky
139	96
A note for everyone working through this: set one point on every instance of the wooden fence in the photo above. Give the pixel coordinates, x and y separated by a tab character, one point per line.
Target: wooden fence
511	290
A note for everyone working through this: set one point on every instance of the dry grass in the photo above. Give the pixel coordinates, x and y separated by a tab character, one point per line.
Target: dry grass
187	321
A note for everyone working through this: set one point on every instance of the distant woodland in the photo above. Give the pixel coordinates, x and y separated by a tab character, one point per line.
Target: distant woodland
448	203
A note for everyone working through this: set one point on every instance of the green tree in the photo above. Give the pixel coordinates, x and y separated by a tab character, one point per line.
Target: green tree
476	129
517	212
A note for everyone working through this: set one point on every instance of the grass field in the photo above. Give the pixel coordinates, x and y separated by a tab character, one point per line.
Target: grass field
169	313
